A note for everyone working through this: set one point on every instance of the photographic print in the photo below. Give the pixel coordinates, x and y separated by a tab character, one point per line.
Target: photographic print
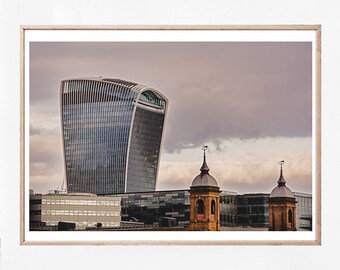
164	136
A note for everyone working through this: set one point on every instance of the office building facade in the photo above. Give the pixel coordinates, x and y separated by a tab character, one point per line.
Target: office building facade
303	211
83	210
150	207
252	210
112	134
228	209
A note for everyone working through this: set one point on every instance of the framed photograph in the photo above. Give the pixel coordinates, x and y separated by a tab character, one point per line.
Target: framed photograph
171	135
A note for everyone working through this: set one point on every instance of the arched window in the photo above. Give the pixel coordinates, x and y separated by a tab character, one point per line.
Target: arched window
290	216
200	207
200	210
213	205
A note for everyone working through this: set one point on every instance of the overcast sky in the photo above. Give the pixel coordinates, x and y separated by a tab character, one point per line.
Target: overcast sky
250	102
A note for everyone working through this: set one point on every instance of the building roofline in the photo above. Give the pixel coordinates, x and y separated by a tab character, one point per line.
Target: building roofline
248	194
67	194
302	193
137	87
144	192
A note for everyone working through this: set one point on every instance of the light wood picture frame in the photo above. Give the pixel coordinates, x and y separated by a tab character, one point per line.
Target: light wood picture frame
156	238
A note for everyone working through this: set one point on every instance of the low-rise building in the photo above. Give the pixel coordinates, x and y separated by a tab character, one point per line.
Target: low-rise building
303	211
84	210
252	210
228	208
150	207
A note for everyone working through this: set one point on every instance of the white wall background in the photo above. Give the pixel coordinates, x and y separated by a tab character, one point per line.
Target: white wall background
15	13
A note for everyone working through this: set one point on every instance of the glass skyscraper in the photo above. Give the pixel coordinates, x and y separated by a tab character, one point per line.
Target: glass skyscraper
112	134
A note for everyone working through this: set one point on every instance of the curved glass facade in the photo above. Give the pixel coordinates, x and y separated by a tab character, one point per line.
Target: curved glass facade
112	131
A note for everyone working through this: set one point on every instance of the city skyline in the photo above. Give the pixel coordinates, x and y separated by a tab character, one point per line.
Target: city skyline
251	102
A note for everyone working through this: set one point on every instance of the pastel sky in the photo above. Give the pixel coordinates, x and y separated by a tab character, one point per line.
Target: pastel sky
250	102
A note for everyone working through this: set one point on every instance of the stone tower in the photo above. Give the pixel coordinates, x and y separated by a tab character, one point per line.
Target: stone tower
282	210
204	201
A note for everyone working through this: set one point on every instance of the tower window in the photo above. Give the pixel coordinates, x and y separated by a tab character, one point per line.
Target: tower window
200	207
213	205
290	216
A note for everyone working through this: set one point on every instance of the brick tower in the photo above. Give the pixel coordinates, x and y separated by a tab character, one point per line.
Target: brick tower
204	201
282	210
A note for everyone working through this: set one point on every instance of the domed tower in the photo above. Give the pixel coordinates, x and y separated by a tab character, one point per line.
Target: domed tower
204	200
282	210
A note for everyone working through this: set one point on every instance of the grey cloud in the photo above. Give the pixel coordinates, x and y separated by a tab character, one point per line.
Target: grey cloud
34	130
216	90
219	145
45	148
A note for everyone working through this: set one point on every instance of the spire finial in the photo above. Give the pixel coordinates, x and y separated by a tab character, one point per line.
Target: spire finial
281	181
281	163
204	148
204	169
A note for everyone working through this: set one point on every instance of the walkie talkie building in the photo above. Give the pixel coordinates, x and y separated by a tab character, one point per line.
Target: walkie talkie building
112	134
